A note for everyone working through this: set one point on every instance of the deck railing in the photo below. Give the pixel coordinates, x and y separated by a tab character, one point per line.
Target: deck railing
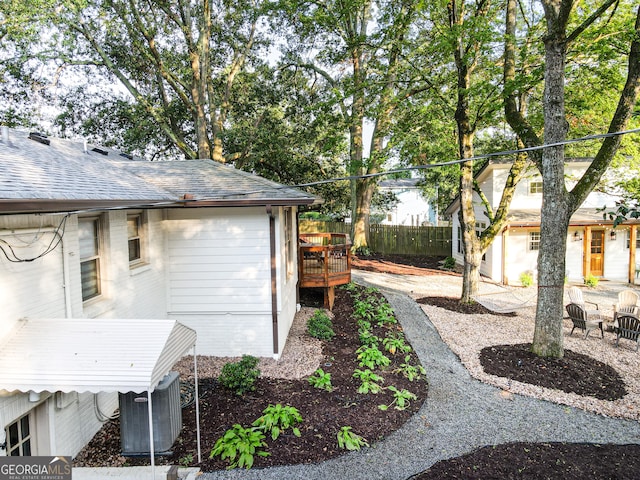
324	259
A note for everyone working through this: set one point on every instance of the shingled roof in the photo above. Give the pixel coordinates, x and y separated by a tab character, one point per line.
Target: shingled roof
40	174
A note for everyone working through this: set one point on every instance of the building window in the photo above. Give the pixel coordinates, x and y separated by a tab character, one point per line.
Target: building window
534	240
460	245
629	239
89	237
135	238
535	186
288	240
18	436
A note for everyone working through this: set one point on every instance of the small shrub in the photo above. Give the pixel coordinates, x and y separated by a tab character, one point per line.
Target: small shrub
591	281
276	419
449	263
239	444
349	440
321	379
240	376
320	326
526	279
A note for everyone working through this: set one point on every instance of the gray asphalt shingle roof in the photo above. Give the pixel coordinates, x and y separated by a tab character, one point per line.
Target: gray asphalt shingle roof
65	175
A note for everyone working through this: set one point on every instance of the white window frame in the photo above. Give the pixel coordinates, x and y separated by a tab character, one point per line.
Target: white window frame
17	448
140	237
288	241
95	257
535	187
534	241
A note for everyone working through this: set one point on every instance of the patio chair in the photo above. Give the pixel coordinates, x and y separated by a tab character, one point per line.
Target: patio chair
575	295
583	319
628	326
627	303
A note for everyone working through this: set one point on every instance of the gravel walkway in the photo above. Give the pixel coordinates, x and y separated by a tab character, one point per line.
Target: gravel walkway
460	413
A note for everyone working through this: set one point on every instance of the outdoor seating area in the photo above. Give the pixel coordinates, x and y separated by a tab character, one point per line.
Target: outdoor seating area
587	316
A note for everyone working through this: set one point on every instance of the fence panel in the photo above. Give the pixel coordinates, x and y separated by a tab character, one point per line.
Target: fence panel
393	239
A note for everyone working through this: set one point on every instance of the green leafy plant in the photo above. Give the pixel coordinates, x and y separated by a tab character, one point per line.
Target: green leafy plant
349	440
591	281
526	279
368	338
449	263
411	372
395	342
240	376
320	326
385	315
401	399
370	381
186	460
239	445
276	419
372	357
363	310
321	379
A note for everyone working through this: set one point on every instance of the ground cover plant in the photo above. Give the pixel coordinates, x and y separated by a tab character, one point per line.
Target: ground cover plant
280	422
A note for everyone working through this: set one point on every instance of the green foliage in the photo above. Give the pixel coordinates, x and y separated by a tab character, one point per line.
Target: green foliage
363	311
368	338
526	279
276	419
320	326
321	379
591	281
449	263
385	315
370	381
411	372
240	376
186	460
239	445
401	399
372	357
349	440
394	342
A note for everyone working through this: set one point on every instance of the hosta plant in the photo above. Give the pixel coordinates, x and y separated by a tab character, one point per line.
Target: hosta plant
369	381
349	440
276	419
321	379
239	445
401	399
372	357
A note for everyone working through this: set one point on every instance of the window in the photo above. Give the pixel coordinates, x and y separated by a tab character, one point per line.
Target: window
535	186
534	240
135	237
460	245
89	237
288	240
629	239
19	438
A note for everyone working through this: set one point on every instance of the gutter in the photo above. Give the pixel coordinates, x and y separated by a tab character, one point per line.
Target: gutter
274	284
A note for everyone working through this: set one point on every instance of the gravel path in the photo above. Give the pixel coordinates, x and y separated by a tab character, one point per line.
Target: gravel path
460	413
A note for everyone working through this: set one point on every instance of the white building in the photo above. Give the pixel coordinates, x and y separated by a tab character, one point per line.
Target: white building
594	247
412	209
86	233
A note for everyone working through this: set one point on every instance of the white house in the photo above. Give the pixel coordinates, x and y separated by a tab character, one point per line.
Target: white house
412	209
594	247
89	233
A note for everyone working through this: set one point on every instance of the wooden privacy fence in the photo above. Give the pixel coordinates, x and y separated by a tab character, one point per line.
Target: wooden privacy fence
390	239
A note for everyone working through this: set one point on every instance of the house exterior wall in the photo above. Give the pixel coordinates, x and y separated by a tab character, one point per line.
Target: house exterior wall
287	276
412	209
219	279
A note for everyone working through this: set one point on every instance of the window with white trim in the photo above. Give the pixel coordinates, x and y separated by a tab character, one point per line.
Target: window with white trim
89	238
535	186
629	239
136	229
460	245
18	438
534	240
288	240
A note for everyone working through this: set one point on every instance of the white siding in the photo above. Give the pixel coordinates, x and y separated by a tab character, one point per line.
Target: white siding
520	258
219	278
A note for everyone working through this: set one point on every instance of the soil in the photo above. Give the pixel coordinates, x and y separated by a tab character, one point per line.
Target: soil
325	412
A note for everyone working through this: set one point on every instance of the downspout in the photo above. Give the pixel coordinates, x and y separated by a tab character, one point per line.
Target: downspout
274	285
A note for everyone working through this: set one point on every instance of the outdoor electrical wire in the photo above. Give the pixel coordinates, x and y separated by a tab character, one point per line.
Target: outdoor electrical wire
57	233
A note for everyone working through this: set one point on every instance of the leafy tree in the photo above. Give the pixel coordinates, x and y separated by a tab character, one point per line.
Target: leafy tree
565	24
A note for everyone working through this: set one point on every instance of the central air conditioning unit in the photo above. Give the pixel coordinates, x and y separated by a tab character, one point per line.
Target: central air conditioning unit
167	418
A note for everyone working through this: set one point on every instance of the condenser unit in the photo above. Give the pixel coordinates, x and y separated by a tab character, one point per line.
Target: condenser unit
167	418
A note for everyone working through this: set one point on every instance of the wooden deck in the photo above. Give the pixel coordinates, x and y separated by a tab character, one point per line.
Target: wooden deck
324	262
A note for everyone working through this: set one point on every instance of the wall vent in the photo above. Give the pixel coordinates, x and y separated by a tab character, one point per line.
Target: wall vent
127	155
39	137
167	418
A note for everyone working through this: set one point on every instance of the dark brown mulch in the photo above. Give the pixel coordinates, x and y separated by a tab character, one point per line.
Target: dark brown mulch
324	413
454	305
574	373
537	461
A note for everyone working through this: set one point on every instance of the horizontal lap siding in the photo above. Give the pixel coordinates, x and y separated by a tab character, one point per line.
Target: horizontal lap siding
219	278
